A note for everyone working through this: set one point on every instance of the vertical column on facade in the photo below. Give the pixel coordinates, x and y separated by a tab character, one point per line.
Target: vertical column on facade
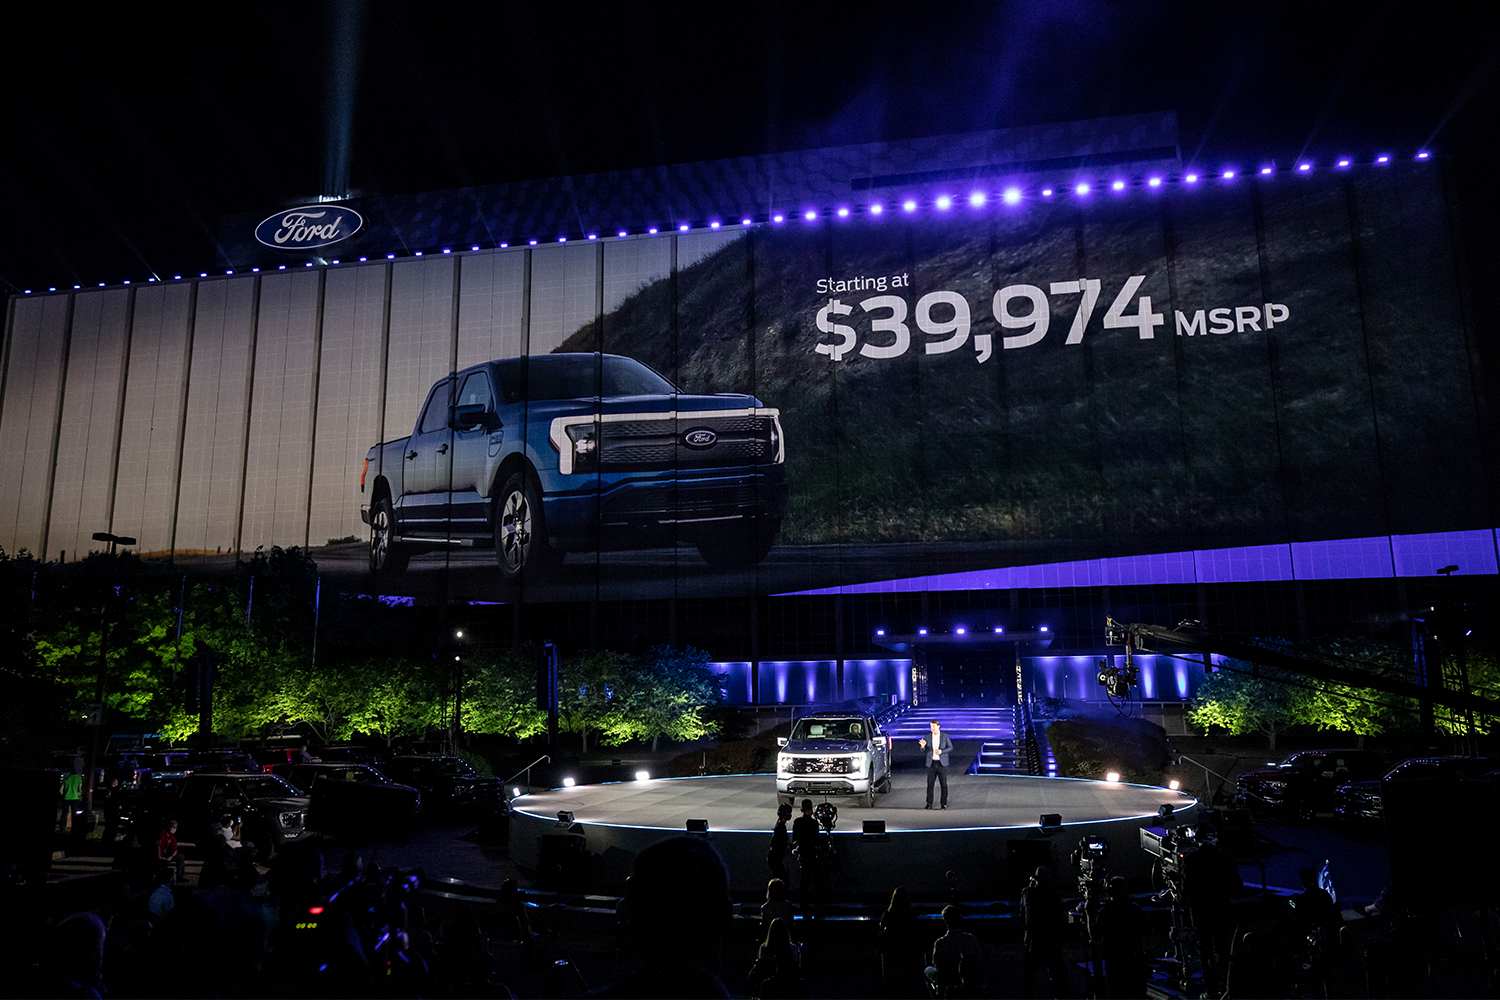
114	457
312	420
239	525
182	411
62	389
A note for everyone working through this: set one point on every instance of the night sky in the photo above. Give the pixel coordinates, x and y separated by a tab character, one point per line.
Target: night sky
128	131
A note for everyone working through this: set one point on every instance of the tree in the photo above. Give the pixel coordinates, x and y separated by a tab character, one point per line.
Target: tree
1244	697
590	696
667	696
500	696
327	699
1360	710
398	697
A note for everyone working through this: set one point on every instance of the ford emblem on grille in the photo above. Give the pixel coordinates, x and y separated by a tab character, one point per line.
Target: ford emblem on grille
702	437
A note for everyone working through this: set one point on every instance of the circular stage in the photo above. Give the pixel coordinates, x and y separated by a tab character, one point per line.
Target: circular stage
989	832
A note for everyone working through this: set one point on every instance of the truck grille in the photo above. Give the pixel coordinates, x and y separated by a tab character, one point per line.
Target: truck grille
658	444
822	765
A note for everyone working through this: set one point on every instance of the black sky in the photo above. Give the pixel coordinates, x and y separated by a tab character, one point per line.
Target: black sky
129	131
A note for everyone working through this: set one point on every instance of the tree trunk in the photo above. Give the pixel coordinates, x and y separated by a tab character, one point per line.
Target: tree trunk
1271	741
655	739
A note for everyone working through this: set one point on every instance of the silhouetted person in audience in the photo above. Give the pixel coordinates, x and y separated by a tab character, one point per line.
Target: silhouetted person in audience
955	948
676	914
780	844
1119	929
1042	923
900	946
777	972
1210	879
70	967
776	905
807	838
167	852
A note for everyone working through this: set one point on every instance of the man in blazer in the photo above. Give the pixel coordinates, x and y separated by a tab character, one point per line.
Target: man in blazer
936	753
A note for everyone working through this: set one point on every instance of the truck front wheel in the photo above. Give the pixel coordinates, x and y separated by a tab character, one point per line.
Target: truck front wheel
386	555
520	532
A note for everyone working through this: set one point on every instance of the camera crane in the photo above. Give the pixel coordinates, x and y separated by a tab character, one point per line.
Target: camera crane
1191	635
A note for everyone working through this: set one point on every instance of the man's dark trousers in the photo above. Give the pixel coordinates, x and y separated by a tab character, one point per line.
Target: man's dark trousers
937	772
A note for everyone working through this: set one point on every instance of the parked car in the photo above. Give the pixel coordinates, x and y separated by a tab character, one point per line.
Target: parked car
540	456
444	782
303	775
834	753
1304	782
1365	800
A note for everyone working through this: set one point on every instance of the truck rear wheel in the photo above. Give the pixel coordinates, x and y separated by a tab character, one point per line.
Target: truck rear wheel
386	555
521	546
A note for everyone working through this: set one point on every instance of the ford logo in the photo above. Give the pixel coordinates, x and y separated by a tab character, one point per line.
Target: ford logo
700	438
309	226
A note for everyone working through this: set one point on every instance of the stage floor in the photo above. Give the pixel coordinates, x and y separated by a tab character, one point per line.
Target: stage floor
990	830
747	803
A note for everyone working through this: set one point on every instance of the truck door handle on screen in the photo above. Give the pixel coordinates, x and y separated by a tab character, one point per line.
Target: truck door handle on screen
442	449
410	455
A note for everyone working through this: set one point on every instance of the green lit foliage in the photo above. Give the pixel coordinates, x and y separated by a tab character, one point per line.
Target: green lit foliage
669	693
1243	697
500	695
399	697
591	696
1359	710
1483	672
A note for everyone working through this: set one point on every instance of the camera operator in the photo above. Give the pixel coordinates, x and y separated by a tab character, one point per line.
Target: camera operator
1210	879
807	843
1318	921
1119	930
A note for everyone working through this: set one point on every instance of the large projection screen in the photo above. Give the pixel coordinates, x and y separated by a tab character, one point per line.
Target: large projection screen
1233	379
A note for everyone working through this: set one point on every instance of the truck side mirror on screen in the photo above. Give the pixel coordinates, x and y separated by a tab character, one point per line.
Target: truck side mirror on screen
468	416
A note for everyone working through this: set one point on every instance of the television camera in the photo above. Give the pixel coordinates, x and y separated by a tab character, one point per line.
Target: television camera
1089	857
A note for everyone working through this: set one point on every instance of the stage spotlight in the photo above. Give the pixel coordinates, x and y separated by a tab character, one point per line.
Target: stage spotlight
1012	195
880	631
1191	178
977	198
872	829
643	776
998	630
877	208
698	826
921	631
569	782
1382	159
943	202
1154	182
1113	777
1043	628
515	792
1046	192
1082	189
564	818
962	631
1174	785
909	205
1118	186
1050	822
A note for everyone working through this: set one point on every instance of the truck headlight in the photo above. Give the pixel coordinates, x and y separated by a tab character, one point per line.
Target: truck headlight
585	447
290	819
784	763
858	766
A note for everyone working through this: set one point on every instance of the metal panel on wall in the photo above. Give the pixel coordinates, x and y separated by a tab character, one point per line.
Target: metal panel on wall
213	459
27	421
281	412
146	484
490	307
563	294
421	339
90	423
348	421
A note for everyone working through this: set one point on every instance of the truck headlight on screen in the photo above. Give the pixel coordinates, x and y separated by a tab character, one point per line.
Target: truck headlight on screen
585	441
858	766
784	763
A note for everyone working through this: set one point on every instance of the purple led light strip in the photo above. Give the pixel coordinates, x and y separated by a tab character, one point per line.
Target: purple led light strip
1473	552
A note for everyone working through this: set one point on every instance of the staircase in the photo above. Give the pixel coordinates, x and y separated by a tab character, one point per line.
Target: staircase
993	728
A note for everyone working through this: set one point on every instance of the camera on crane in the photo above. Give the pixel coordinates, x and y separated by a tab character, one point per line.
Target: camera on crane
1117	681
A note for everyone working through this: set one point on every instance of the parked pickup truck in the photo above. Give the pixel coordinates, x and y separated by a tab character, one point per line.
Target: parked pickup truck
274	812
559	453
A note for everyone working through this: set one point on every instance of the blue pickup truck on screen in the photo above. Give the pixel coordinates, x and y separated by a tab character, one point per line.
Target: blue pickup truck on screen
561	453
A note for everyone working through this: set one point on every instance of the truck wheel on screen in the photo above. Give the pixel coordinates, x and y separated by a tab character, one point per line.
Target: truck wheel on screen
739	546
386	556
520	533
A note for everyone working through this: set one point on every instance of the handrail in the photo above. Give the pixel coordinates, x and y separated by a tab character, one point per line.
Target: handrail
527	771
1207	790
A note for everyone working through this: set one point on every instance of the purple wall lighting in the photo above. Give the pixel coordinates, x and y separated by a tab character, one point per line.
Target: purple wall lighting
1380	556
804	682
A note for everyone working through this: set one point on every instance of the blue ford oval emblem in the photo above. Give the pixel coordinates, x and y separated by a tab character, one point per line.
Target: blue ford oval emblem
700	438
309	226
